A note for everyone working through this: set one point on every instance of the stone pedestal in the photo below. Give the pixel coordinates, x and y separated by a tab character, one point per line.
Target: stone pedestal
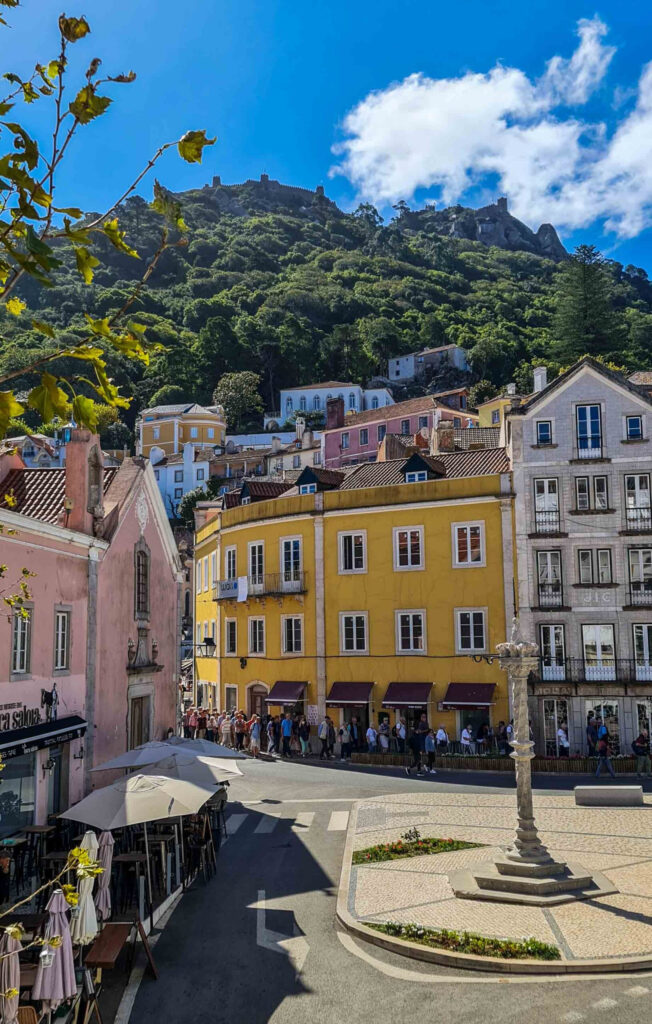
525	872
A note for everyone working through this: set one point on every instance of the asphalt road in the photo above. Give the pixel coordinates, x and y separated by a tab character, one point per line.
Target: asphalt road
259	942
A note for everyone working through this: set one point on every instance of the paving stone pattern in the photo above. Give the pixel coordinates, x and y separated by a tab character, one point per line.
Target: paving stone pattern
615	841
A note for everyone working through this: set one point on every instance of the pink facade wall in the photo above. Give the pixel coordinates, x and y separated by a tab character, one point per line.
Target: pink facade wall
335	456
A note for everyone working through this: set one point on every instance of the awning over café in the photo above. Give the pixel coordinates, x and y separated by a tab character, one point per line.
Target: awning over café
407	695
288	692
15	742
468	695
344	695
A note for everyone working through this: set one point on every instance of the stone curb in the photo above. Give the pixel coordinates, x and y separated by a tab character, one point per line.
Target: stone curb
465	961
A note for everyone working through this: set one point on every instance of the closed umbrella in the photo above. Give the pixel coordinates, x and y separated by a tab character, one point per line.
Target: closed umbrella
9	977
103	891
150	753
56	982
83	927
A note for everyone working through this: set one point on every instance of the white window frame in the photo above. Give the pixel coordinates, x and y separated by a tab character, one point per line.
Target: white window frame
342	617
213	569
402	651
340	552
205	564
418	476
210	432
231	550
194	432
308	488
363	440
586	496
61	650
228	690
345	440
198	576
540	423
256	588
178	476
250	624
458	630
634	416
200	473
227	652
409	568
585	562
472	524
607	552
291	584
284	648
156	433
178	493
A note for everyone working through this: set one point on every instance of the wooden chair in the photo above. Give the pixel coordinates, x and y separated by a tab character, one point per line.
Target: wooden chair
27	1015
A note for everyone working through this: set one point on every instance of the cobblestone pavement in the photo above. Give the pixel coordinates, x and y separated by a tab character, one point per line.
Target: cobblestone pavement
615	841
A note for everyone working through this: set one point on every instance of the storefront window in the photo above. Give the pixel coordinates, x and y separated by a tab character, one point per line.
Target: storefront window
644	716
608	712
554	713
17	794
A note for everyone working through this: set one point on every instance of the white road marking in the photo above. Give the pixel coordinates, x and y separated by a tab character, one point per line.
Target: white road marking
266	824
604	1004
123	1012
233	823
339	821
638	990
314	800
295	948
303	821
573	1016
402	974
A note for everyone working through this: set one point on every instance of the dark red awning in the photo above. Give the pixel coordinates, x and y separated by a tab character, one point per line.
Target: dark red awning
468	695
407	695
344	695
288	692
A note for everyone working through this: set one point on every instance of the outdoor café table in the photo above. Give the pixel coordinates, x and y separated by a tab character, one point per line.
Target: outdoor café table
37	835
138	859
163	838
51	861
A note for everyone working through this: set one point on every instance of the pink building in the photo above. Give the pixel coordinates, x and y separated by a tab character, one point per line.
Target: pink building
92	669
348	440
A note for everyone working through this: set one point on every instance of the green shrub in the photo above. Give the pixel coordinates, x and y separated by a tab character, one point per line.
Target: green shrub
469	942
408	846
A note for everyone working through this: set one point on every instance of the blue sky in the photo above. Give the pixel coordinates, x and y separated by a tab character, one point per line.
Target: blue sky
281	83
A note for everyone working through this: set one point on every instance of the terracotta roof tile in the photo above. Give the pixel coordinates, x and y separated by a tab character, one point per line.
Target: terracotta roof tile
456	464
39	493
425	403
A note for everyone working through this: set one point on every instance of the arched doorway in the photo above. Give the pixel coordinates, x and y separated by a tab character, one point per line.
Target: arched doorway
256	694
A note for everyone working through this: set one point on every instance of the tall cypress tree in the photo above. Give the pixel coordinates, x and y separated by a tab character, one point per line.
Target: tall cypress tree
585	322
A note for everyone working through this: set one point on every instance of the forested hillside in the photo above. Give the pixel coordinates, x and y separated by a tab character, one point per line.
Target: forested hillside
284	283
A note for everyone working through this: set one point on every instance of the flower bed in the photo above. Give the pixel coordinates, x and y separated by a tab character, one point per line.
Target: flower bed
409	848
622	765
469	942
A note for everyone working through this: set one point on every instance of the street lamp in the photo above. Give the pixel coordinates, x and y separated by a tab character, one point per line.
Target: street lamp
525	872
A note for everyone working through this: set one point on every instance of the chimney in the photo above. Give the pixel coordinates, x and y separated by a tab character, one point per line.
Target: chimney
307	439
540	378
334	413
502	204
84	482
276	445
300	426
511	389
443	438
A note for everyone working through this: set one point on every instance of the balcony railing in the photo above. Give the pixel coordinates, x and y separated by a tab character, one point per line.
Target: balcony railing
640	593
639	519
546	522
594	670
594	451
551	595
291	582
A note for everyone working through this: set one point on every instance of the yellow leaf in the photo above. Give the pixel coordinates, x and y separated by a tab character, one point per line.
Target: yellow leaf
15	306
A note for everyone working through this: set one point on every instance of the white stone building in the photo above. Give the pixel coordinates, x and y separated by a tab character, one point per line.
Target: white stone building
313	398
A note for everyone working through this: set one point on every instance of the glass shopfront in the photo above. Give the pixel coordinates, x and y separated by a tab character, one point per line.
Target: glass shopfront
608	712
17	793
555	711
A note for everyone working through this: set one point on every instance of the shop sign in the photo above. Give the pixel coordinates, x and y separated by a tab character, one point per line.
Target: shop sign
312	714
18	716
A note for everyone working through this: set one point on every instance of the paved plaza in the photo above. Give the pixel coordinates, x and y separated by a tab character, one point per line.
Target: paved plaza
614	841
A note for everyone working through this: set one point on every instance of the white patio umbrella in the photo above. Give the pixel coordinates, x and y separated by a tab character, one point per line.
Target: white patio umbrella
137	799
203	771
204	748
83	921
150	753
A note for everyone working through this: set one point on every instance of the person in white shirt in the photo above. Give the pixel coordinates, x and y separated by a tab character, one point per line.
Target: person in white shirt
442	740
372	735
400	735
466	740
562	740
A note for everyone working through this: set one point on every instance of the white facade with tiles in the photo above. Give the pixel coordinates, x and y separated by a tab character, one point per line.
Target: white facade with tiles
582	465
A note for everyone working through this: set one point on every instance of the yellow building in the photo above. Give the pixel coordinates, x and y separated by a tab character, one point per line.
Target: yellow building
169	427
492	412
373	592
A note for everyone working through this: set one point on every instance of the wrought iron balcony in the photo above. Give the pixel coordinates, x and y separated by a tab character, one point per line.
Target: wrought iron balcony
547	522
639	520
594	451
593	670
267	584
640	594
551	595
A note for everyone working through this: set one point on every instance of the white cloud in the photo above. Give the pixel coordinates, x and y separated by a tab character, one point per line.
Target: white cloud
553	165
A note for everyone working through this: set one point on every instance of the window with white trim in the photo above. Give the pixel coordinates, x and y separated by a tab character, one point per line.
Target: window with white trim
200	474
382	430
410	631
408	547
291	559
292	634
257	563
364	437
416	476
352	551
405	426
178	476
205	562
230	697
178	492
61	640
345	440
213	568
257	636
354	633
634	428
544	432
230	637
308	488
210	432
468	544
193	431
156	433
230	564
470	630
198	576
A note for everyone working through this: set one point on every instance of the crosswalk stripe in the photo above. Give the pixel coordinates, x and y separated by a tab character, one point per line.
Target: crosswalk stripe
338	822
233	823
605	1004
638	990
303	821
266	824
572	1017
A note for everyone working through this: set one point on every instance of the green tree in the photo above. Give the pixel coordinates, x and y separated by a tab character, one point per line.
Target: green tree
585	322
238	394
186	507
116	436
169	394
481	392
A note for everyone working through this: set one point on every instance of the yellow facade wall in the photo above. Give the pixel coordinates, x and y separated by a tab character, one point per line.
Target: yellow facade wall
184	425
485	411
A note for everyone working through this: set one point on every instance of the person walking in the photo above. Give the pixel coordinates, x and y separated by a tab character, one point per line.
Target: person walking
400	735
641	748
414	743
332	738
442	740
372	736
186	724
422	730
604	757
286	735
271	746
240	729
211	731
563	742
356	734
346	741
430	752
322	734
501	736
202	723
466	740
383	736
226	733
591	736
192	723
254	736
304	736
